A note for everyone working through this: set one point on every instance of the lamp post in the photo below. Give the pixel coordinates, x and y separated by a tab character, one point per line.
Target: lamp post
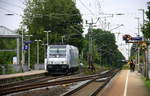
62	39
138	20
22	51
143	11
29	51
37	51
47	37
138	51
47	44
18	46
146	51
90	47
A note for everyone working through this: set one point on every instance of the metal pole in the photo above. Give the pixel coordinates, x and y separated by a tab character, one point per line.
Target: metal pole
37	56
138	26
47	38
29	56
138	54
146	63
22	50
147	60
128	51
28	51
90	26
138	44
91	66
146	51
47	44
37	52
47	49
44	52
143	18
62	39
18	51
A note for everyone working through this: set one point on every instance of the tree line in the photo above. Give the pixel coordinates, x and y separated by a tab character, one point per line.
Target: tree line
65	22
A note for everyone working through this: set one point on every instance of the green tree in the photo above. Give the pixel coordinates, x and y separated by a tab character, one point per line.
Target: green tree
6	58
61	17
106	48
146	27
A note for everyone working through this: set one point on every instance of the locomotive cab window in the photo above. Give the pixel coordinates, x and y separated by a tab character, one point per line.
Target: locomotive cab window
57	52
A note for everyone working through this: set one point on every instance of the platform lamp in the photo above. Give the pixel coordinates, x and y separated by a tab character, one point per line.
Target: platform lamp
47	43
38	50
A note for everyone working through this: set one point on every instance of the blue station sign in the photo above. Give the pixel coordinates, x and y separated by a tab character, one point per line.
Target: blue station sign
26	47
136	38
27	42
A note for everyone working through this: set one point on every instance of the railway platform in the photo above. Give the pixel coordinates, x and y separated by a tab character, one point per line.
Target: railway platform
126	83
29	73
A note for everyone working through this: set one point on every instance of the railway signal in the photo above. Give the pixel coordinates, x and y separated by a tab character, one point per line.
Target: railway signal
127	37
130	39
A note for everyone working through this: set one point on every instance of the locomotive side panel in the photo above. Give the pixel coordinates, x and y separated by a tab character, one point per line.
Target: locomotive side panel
61	59
74	59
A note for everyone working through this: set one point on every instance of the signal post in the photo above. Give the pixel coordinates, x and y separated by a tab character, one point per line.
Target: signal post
144	46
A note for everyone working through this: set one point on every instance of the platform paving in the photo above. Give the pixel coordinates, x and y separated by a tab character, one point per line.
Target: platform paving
126	83
34	72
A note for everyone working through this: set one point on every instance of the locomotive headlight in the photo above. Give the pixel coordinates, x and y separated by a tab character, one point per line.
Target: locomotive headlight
64	62
51	62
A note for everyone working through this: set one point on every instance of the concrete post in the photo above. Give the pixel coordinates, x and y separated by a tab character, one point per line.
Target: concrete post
18	51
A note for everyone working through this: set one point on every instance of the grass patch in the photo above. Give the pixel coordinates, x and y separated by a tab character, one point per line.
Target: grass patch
146	82
98	68
126	66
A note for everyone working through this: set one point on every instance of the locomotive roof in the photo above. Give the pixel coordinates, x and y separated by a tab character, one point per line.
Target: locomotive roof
58	46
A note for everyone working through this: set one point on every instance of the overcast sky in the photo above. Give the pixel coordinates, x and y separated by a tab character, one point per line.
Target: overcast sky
90	9
95	8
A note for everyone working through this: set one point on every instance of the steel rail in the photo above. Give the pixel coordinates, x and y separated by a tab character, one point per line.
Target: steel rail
95	92
105	83
53	83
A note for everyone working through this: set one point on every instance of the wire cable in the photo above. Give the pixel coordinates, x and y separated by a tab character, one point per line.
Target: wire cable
87	8
4	2
10	11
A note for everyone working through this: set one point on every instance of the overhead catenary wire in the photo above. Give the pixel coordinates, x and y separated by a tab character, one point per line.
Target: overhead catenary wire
99	18
99	5
7	10
11	4
86	7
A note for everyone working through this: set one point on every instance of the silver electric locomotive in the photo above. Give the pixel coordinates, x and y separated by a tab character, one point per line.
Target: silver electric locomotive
62	59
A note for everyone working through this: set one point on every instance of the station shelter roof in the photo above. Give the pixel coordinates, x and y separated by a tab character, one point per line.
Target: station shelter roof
5	32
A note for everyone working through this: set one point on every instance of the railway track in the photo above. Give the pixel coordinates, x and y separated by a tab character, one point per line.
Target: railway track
25	87
6	85
33	81
21	77
92	87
